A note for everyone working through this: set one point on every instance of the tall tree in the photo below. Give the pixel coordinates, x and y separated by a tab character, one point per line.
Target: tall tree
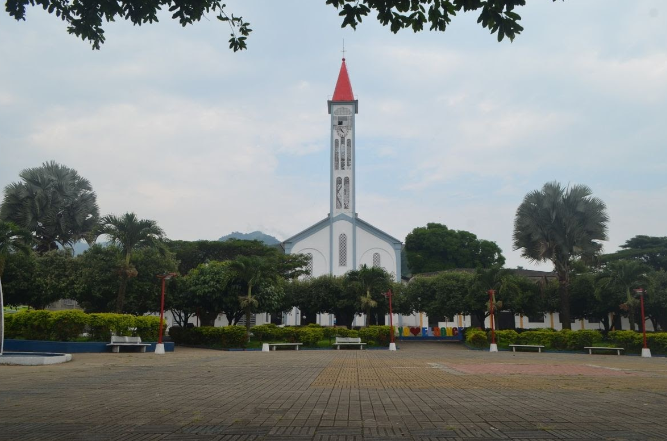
253	271
85	19
12	239
53	202
436	248
649	250
128	233
559	224
370	283
625	276
210	291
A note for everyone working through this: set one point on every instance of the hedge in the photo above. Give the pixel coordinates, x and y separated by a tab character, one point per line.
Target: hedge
223	337
69	325
375	335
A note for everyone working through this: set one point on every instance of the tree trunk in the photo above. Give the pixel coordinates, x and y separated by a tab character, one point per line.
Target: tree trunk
564	292
605	323
2	320
207	318
120	300
247	313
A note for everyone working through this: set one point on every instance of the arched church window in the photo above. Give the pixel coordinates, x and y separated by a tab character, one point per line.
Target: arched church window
349	153
309	265
346	193
342	153
336	154
339	188
342	250
376	260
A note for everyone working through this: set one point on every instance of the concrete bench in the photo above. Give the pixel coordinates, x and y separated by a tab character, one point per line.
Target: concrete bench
349	341
539	347
266	347
603	348
118	341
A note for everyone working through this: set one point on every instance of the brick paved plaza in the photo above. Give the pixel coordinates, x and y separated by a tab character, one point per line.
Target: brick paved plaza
424	391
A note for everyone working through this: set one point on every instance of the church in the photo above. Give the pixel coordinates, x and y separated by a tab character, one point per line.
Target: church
343	241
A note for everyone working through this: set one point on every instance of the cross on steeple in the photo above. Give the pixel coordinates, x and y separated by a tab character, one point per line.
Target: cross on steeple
343	51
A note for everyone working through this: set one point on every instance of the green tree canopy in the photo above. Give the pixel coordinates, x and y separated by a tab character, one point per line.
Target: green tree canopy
436	248
129	233
649	250
559	224
54	203
86	19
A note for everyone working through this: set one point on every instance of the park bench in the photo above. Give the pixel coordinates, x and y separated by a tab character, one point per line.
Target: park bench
272	346
118	341
603	348
349	341
539	347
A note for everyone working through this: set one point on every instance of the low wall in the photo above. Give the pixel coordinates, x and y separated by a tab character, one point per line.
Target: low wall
69	347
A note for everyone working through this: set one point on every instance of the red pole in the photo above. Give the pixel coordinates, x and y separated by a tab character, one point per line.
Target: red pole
159	340
641	297
391	320
493	331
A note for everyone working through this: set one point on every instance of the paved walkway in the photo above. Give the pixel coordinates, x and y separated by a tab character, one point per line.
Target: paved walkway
424	391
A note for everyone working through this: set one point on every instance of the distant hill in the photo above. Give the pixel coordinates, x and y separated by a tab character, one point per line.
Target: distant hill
255	235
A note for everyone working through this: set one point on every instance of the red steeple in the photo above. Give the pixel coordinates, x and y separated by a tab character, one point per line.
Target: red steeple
343	90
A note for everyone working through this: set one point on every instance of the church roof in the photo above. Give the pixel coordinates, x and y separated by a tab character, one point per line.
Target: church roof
343	91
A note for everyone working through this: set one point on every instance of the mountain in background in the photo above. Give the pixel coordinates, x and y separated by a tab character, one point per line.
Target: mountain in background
255	235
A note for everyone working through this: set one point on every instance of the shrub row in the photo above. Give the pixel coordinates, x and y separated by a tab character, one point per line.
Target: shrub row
69	325
308	335
568	340
223	337
375	335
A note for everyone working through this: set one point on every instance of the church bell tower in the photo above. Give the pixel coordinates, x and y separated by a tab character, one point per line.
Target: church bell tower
343	108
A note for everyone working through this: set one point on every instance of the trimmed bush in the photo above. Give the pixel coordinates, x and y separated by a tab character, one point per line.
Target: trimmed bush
33	324
476	338
309	335
580	339
67	325
148	327
375	335
225	337
630	340
234	337
268	332
505	337
10	326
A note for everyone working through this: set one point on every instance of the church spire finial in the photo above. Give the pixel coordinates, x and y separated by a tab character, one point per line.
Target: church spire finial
343	51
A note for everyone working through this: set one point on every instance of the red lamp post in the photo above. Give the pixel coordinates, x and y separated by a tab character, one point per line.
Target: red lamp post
159	348
392	344
646	352
494	346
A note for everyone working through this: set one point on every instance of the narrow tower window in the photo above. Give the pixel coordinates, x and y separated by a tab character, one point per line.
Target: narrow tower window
342	153
376	260
342	250
339	187
349	153
336	154
346	193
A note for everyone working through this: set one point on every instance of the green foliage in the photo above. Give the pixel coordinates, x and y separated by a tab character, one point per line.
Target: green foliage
561	340
580	339
67	325
651	251
309	336
375	335
268	332
560	224
476	338
436	248
11	328
506	337
148	327
630	340
33	325
344	332
224	337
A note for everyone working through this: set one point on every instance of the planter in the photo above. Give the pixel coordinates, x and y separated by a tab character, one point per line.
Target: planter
69	347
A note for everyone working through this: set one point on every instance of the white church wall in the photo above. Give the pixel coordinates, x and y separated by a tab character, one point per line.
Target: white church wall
367	244
316	244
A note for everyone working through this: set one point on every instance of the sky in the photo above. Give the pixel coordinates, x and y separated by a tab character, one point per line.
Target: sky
453	127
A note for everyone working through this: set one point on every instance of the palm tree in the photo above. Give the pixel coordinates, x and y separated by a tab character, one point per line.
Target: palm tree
559	224
130	233
624	276
12	239
53	202
369	281
253	270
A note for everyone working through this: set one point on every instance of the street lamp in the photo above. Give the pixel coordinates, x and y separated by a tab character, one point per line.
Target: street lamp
392	345
494	346
646	352
159	347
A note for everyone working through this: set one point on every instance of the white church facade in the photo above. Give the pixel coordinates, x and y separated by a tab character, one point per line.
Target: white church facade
343	241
